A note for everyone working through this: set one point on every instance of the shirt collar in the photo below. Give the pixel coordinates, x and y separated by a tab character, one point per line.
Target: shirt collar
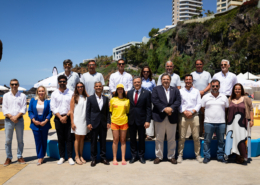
120	73
69	74
17	94
147	80
219	95
138	90
199	72
165	89
65	91
223	73
98	96
188	90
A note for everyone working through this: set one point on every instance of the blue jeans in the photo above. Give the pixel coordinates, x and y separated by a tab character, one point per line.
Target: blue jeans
9	130
210	128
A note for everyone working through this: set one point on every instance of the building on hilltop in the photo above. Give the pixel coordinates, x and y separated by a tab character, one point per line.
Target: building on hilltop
223	5
184	9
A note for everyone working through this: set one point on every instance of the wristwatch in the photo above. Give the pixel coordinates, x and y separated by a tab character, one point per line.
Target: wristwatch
192	112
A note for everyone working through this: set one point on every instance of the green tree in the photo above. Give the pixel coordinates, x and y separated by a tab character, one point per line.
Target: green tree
153	32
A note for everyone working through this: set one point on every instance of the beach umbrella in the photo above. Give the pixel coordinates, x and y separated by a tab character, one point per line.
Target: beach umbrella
2	88
51	88
21	89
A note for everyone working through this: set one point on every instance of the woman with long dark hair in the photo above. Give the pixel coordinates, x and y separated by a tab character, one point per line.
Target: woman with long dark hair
240	119
119	107
78	106
148	83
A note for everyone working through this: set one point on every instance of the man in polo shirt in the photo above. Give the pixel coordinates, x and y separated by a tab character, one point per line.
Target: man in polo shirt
226	78
215	106
175	79
72	77
201	81
89	78
120	77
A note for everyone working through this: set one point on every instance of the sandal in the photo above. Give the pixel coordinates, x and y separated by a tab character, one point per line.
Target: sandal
78	161
124	163
82	160
115	163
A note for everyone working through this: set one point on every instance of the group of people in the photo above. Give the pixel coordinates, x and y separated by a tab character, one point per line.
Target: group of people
139	106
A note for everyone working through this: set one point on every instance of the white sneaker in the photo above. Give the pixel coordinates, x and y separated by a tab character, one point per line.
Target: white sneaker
179	160
71	162
199	159
60	161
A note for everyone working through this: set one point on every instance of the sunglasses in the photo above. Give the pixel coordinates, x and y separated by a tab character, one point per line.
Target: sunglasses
121	64
223	64
79	87
91	65
62	82
14	84
65	65
146	71
214	86
199	64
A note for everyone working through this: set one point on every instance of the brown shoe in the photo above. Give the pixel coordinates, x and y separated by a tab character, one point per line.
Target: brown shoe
156	161
7	162
173	161
21	160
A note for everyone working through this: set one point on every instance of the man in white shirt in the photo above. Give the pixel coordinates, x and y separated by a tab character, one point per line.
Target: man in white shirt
201	81
215	106
14	107
190	106
60	106
226	78
120	77
89	78
72	77
175	79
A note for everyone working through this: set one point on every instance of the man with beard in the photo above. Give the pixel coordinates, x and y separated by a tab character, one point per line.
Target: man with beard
89	78
72	77
60	106
190	106
175	79
98	121
215	106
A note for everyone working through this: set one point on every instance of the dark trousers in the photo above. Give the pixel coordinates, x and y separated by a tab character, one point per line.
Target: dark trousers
133	129
64	137
40	137
102	133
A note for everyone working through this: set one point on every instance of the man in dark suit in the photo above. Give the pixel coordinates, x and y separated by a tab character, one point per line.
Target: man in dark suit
139	118
166	100
98	121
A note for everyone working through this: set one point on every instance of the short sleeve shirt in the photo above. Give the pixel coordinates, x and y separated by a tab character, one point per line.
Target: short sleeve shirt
215	108
119	109
89	81
201	80
175	80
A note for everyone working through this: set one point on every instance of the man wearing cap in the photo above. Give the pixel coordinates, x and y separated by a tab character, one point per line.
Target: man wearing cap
175	79
73	78
120	77
89	78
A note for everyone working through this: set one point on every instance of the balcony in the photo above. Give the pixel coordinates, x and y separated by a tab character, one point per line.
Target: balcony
193	1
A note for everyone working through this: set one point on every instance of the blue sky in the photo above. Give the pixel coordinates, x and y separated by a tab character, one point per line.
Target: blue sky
39	34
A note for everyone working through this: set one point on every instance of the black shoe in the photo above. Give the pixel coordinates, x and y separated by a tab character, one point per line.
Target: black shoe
93	163
206	160
132	160
222	161
105	162
142	160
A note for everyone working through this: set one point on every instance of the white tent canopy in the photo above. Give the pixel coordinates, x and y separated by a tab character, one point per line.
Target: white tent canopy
48	82
3	88
240	75
21	89
251	76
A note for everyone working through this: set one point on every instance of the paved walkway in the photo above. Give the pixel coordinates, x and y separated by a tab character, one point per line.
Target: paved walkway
189	172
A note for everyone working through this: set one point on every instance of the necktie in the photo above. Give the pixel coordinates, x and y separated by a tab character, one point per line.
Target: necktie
136	96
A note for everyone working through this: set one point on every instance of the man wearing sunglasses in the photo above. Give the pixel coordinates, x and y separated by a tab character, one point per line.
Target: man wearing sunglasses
73	78
226	78
201	81
120	77
60	106
89	78
215	106
14	107
175	79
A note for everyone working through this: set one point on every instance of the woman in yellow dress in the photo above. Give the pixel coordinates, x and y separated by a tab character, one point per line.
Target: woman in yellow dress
119	107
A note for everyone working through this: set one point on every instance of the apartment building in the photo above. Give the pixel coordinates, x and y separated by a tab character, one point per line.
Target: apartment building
223	5
119	51
184	9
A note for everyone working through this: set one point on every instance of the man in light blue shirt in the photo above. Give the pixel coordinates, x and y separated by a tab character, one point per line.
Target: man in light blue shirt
175	79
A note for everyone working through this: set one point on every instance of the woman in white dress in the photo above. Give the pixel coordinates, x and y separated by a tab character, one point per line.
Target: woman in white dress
78	120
